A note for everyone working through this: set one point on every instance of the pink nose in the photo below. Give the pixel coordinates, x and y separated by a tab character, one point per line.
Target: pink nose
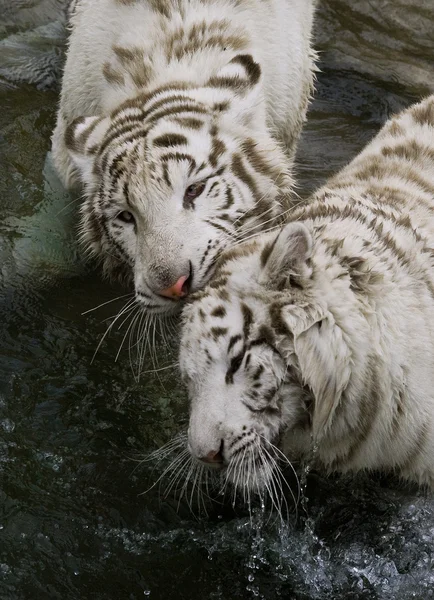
213	457
177	290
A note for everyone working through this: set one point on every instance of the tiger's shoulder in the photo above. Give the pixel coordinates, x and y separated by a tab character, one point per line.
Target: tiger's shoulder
397	167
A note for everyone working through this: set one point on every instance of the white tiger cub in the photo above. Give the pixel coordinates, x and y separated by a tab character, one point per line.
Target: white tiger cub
174	115
321	334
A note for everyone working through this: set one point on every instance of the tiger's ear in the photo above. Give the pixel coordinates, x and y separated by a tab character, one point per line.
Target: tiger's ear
325	363
82	139
242	75
285	255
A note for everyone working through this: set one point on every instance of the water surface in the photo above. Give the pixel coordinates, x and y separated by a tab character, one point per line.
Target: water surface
73	521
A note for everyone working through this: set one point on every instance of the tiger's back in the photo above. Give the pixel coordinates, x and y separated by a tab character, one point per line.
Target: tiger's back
396	168
378	220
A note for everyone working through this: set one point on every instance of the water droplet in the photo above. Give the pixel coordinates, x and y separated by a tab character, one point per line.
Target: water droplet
147	592
7	425
251	577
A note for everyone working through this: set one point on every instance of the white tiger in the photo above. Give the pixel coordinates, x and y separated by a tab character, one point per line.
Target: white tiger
319	337
174	115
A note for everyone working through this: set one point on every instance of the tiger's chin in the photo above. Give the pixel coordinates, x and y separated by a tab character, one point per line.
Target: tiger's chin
253	469
163	309
250	477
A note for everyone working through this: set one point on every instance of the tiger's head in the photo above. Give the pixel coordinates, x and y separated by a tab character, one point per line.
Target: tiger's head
262	356
175	175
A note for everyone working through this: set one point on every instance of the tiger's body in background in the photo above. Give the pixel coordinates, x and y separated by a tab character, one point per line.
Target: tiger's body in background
320	336
181	118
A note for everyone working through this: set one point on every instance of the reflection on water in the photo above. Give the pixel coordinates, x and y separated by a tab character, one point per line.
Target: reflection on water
32	36
73	522
391	40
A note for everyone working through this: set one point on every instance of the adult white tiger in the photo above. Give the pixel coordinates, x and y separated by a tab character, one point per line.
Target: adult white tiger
323	332
173	114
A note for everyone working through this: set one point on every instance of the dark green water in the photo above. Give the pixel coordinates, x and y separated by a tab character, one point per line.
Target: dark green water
73	521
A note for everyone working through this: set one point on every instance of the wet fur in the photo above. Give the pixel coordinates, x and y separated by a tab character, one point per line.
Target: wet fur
157	96
335	310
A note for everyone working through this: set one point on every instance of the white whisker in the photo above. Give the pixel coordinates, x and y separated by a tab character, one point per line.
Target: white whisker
280	217
126	333
105	303
174	463
165	368
129	306
73	201
173	483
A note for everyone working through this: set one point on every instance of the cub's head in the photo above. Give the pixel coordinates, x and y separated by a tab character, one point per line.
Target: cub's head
261	355
174	176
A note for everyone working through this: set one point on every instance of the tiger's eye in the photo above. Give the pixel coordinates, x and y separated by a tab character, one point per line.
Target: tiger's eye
194	190
125	216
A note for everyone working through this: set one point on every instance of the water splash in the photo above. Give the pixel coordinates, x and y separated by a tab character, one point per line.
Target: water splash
256	558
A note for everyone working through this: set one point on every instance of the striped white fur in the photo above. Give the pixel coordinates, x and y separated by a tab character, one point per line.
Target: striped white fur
322	332
175	115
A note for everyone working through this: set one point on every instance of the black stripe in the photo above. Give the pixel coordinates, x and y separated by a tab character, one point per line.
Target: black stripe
189	122
267	250
143	99
257	161
185	107
247	319
166	176
217	332
219	227
121	124
114	134
233	340
170	139
234	366
350	211
211	265
179	157
253	70
243	175
229	198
